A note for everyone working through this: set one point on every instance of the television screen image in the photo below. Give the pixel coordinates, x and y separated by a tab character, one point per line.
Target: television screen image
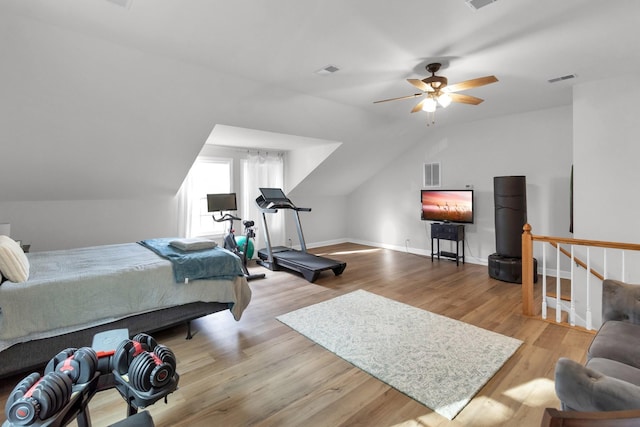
447	205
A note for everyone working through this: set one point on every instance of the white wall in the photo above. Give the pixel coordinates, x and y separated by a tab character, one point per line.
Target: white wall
52	225
606	176
326	224
606	153
386	210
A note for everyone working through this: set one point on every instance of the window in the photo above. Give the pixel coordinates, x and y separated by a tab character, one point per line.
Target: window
207	176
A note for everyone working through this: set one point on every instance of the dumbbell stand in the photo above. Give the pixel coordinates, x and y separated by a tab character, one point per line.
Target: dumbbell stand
141	399
104	378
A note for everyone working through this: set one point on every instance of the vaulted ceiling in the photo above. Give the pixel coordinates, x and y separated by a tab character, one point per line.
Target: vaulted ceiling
114	98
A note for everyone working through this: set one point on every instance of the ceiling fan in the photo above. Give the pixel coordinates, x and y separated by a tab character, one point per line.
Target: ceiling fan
439	92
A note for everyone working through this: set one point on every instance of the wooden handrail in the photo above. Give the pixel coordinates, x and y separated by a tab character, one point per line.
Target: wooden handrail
577	260
583	242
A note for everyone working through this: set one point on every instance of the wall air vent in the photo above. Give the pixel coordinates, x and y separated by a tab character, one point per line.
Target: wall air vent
559	79
478	4
431	175
329	69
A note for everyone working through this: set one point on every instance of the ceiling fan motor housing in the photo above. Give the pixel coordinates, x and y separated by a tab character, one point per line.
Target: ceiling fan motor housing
436	82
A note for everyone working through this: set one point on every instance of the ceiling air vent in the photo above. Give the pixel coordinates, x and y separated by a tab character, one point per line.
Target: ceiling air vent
329	69
478	4
122	3
559	79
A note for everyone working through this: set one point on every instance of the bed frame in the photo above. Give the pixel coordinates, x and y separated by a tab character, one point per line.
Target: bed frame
33	355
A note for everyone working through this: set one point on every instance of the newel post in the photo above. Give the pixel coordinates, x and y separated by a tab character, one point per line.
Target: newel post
527	271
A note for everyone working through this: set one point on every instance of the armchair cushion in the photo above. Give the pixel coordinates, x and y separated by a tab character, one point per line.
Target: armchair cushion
620	301
619	341
613	369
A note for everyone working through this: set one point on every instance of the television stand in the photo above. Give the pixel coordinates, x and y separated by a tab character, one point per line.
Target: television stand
451	232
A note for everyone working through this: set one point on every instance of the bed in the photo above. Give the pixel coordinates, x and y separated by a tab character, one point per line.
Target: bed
70	295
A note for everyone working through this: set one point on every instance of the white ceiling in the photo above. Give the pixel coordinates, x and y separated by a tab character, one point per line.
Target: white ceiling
261	54
377	44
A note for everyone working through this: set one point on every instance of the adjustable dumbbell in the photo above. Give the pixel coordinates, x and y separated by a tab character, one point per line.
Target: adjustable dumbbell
152	369
126	351
38	397
79	364
147	341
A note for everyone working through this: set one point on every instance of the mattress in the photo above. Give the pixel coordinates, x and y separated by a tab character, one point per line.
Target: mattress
69	290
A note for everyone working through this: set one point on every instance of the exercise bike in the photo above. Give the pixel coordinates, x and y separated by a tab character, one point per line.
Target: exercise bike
230	243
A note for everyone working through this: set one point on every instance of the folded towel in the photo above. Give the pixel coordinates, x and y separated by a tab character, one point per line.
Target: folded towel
214	263
193	244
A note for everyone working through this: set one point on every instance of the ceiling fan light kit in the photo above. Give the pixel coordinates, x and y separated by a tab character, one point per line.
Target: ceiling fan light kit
429	105
439	92
444	100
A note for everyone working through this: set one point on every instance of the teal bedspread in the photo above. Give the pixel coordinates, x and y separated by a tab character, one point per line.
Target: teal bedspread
216	263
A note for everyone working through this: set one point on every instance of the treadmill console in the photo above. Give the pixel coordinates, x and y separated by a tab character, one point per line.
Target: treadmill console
274	198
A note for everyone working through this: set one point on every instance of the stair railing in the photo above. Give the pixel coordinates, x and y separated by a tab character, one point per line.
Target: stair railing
528	298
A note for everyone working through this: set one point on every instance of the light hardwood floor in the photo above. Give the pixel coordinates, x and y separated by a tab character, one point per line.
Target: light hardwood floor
258	372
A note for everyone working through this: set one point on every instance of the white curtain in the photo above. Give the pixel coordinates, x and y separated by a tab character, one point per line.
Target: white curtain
208	175
262	169
185	206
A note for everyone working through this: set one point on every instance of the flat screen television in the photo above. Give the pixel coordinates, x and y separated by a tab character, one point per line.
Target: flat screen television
221	202
447	205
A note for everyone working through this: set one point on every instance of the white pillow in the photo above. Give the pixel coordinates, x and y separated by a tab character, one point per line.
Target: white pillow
14	264
193	244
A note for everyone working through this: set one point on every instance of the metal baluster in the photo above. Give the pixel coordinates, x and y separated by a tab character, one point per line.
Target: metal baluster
558	289
589	318
572	319
544	281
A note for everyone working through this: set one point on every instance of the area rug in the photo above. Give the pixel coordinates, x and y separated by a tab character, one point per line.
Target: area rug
440	362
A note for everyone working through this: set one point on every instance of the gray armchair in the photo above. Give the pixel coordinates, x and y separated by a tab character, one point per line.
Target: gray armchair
610	380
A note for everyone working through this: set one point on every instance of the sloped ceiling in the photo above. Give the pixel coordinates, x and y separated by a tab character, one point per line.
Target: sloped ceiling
100	101
303	154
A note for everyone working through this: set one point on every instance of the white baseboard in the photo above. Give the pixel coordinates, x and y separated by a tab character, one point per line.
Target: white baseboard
411	250
419	251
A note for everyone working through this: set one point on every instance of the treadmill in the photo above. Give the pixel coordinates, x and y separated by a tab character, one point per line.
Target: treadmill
281	257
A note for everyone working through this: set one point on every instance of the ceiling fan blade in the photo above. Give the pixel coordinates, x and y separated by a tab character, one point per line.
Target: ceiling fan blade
465	99
415	95
420	85
418	106
468	84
